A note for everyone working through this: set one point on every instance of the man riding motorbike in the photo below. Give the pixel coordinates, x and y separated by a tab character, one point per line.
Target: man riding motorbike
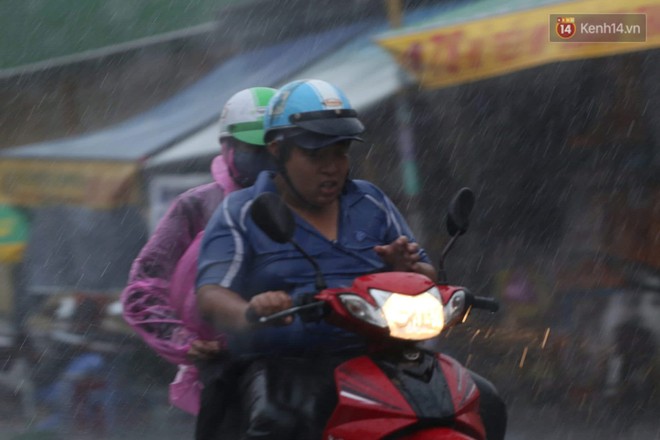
278	381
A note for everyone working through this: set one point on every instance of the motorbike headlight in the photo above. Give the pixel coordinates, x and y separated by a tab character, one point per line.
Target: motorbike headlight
361	309
413	317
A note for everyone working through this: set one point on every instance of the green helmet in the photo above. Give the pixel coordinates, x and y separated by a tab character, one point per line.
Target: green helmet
243	115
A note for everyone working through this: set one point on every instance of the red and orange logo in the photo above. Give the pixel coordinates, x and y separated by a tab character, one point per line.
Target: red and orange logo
565	27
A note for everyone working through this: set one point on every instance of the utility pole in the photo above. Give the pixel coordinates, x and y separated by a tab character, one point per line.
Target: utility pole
394	13
406	137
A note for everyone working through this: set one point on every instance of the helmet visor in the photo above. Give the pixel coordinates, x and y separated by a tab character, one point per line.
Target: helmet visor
313	141
329	122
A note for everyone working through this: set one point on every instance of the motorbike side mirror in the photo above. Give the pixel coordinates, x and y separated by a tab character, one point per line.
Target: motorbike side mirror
272	216
460	207
458	220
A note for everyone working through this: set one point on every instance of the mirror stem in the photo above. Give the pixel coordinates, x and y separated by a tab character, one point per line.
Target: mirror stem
442	277
319	282
442	274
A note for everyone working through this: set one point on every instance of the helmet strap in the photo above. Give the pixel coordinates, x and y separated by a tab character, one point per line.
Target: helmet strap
281	169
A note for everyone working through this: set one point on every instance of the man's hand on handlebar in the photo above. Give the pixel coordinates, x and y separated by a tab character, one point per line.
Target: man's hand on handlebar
267	303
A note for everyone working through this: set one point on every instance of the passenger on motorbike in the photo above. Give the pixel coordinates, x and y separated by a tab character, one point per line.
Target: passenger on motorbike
155	302
279	382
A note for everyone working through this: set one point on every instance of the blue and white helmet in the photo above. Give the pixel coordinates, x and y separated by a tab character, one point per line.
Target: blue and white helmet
314	111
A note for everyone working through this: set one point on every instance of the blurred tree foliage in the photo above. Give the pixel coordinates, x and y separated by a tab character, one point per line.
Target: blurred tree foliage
36	30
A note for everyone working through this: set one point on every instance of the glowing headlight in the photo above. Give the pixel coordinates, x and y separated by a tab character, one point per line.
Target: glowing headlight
415	317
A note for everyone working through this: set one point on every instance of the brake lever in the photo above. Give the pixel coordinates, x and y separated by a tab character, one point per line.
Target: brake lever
288	312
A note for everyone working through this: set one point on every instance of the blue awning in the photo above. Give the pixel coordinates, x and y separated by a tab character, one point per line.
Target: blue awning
195	107
363	70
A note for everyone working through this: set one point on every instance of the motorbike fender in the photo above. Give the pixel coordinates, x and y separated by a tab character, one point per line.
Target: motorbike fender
464	394
369	405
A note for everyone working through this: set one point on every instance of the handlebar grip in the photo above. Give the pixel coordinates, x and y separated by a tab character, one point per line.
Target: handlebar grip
485	303
306	309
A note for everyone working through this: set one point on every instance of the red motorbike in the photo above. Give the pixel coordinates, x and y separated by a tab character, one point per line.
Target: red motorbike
398	390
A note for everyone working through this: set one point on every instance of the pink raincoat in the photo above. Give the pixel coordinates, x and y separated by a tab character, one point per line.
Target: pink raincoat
159	300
